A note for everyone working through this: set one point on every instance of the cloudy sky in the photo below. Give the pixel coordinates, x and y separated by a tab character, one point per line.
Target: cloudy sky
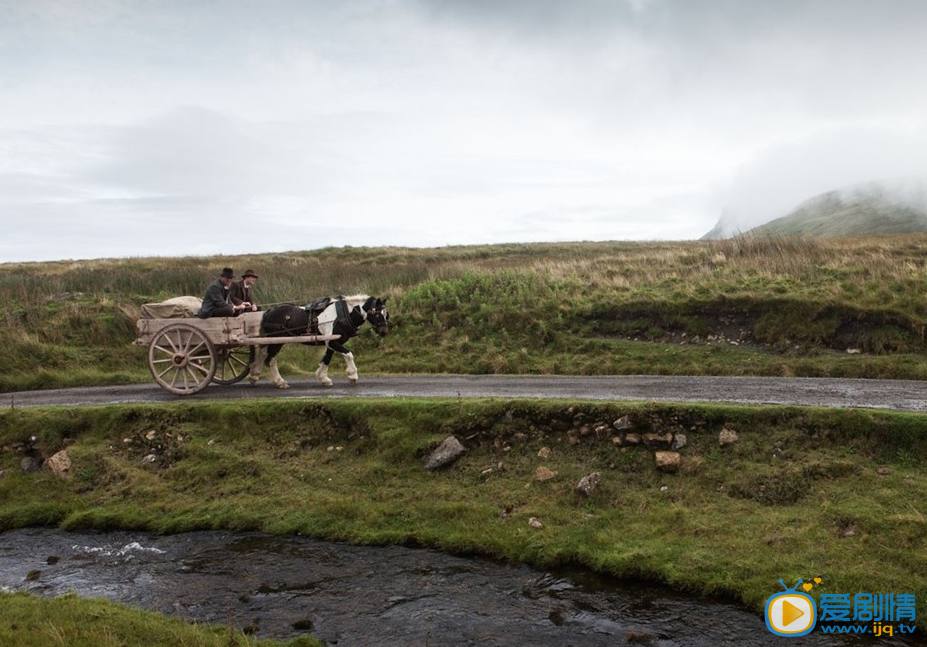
176	127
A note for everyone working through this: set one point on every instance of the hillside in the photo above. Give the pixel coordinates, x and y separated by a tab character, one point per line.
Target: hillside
781	306
352	469
839	214
869	209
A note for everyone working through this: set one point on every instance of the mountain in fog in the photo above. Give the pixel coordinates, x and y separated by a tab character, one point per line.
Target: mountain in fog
864	209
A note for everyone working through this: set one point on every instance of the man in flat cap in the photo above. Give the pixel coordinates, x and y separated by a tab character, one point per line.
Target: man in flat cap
217	300
240	291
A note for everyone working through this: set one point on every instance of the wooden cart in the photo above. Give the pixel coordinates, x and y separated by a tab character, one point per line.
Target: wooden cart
186	354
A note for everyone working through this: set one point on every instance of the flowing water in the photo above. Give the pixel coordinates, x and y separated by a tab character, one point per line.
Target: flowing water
356	596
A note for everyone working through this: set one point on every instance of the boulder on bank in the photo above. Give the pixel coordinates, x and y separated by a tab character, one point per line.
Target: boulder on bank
444	454
728	436
30	465
623	423
59	463
544	473
667	461
588	485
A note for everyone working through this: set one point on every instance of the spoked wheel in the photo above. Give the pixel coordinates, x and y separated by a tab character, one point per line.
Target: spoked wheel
234	363
182	360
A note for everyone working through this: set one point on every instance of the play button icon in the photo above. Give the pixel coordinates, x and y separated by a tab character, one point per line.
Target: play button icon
790	614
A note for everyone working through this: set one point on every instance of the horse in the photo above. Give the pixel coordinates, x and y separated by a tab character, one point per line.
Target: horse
336	315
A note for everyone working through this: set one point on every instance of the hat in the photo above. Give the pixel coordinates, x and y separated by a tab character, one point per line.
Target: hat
227	273
249	273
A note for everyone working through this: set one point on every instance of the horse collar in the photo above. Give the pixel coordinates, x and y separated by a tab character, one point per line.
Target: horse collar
348	319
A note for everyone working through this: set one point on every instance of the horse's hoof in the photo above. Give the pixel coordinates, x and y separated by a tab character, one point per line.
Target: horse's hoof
353	380
282	385
327	382
253	381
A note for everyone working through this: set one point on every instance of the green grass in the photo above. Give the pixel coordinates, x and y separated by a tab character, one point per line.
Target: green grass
68	621
749	306
805	493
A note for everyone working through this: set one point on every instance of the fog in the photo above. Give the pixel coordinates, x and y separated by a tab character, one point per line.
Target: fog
176	127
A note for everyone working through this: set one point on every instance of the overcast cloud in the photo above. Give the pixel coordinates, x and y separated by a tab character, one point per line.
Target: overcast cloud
175	127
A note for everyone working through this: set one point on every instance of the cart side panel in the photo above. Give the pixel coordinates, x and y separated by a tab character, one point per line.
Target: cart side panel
228	331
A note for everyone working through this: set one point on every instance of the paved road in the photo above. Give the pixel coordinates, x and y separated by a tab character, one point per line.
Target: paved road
904	395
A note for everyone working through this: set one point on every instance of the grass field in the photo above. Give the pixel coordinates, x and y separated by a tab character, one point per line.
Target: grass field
804	493
771	306
836	494
29	621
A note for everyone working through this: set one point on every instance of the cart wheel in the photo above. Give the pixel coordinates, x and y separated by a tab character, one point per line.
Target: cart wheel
234	364
182	360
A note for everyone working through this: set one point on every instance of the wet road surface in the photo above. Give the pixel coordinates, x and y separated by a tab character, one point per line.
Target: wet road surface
906	395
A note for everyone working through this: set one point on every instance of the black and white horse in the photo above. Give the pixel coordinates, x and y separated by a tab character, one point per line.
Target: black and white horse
340	315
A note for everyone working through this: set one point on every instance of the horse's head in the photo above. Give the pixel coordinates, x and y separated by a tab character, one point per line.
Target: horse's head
376	315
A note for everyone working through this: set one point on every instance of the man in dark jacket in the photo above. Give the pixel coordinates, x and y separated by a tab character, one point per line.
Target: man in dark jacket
217	301
240	291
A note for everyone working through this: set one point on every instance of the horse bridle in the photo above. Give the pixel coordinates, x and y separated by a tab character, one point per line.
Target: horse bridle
375	317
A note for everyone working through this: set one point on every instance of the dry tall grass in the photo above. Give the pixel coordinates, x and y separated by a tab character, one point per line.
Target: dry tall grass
871	262
513	303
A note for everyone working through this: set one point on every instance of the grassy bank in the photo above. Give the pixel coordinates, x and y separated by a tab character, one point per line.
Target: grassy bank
28	621
773	306
804	492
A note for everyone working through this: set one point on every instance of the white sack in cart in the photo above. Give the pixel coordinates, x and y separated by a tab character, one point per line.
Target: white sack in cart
172	308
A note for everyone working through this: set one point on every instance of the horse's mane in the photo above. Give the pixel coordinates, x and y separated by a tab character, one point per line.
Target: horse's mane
353	298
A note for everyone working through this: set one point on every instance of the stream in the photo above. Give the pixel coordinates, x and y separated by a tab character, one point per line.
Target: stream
357	596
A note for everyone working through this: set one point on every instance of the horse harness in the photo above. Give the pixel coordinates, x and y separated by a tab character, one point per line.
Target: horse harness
347	322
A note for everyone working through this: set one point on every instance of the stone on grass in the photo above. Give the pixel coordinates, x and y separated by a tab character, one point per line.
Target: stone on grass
444	454
544	473
30	465
727	437
59	463
588	485
623	423
667	461
657	440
